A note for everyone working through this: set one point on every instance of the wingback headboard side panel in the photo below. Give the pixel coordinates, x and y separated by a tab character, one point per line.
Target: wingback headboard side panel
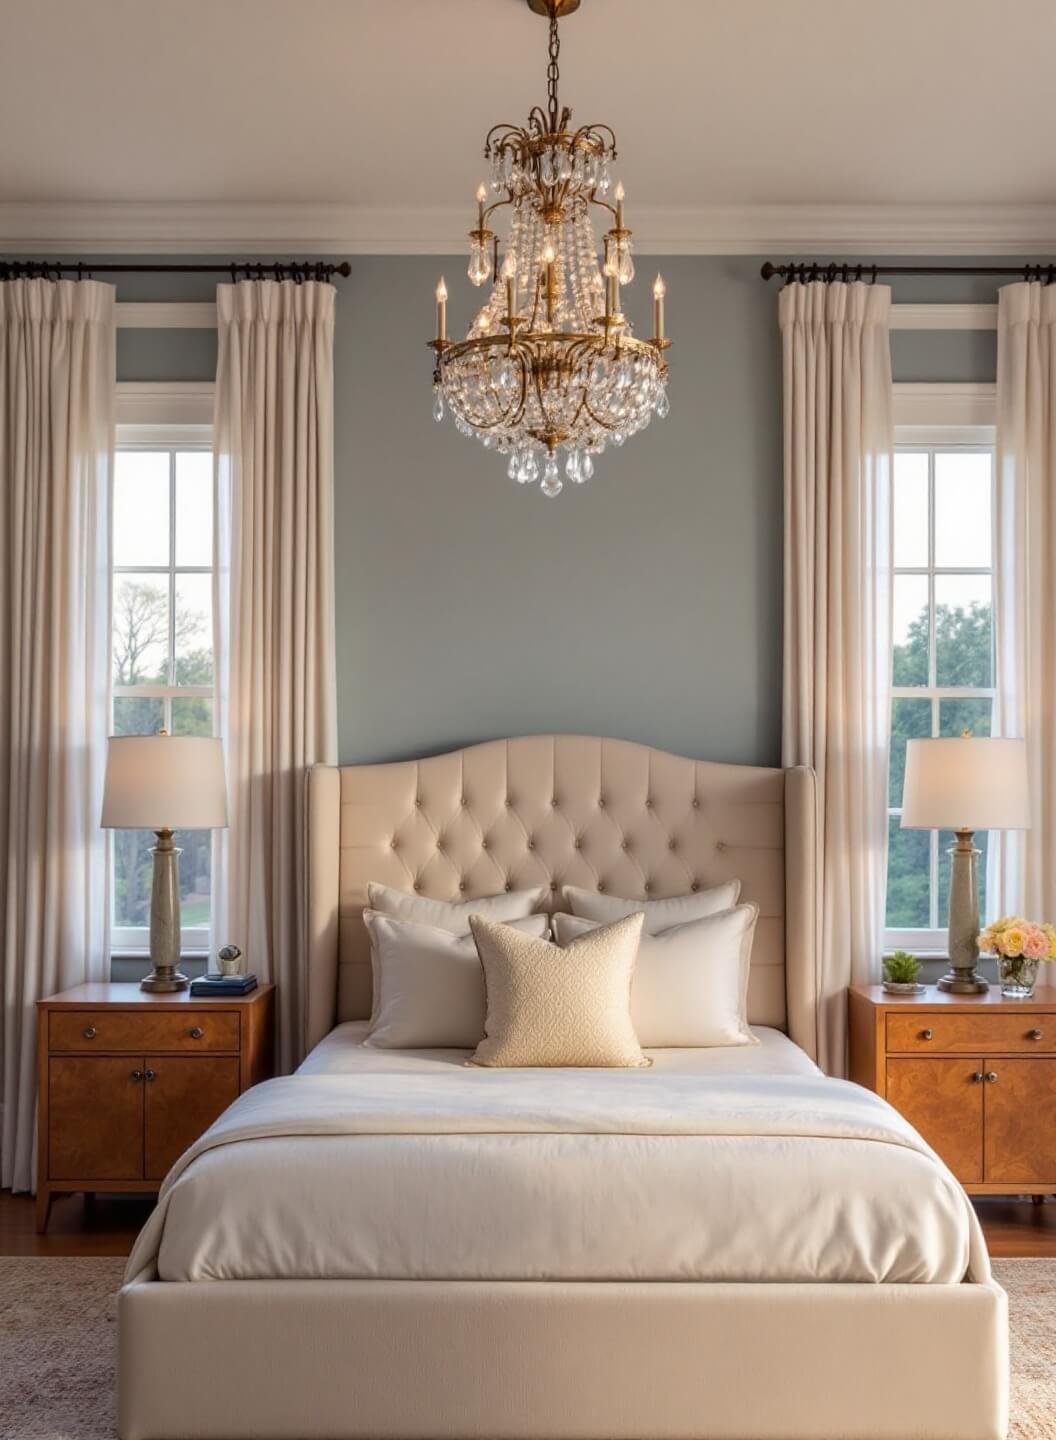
555	810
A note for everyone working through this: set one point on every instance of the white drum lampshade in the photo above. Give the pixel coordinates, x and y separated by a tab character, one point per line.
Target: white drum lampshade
964	784
164	783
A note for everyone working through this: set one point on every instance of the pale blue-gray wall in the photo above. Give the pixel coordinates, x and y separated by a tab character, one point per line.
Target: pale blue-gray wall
645	605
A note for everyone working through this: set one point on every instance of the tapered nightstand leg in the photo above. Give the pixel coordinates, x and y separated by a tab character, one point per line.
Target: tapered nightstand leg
43	1209
1037	1199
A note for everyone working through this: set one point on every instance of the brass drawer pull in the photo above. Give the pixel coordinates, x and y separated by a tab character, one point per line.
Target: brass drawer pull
927	1034
137	1074
1034	1035
89	1032
991	1076
978	1077
152	1075
197	1033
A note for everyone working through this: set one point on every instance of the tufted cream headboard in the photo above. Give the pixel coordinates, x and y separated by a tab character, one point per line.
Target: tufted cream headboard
554	810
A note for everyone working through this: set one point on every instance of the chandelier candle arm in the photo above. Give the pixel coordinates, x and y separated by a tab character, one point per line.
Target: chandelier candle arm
561	375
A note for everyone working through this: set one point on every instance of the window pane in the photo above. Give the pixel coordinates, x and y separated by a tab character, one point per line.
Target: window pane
191	715
194	507
132	873
908	877
956	716
141	630
911	509
194	630
962	509
946	840
910	720
138	714
910	660
196	864
141	507
963	631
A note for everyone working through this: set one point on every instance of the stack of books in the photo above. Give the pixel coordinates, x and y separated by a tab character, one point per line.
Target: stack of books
223	986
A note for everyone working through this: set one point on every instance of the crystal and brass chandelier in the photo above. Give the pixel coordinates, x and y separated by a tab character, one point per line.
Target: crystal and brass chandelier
550	363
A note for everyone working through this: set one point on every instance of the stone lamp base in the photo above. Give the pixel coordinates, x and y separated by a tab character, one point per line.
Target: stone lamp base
165	975
963	978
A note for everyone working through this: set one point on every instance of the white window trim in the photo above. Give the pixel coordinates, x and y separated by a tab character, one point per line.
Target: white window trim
164	415
961	416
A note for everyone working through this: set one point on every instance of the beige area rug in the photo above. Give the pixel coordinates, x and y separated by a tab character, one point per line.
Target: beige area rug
58	1334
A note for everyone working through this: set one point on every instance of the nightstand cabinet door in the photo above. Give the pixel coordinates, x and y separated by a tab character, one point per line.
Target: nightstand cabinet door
943	1099
184	1095
1020	1122
95	1105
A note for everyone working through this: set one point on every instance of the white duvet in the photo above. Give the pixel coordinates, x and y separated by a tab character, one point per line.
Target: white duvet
562	1175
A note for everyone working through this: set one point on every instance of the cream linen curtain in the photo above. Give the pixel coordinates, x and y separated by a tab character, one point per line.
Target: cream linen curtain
273	440
57	369
837	660
1024	867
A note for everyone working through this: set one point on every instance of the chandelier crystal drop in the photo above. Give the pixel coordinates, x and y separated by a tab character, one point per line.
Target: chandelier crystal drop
551	363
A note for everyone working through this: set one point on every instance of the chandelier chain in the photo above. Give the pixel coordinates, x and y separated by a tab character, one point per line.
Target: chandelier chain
553	73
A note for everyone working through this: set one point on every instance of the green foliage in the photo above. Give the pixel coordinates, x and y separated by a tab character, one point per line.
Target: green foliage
902	968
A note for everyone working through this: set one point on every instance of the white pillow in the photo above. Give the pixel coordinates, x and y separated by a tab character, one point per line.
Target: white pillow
428	984
690	986
511	905
659	914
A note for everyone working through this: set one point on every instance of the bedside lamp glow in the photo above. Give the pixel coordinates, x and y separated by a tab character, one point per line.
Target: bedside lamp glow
164	783
965	784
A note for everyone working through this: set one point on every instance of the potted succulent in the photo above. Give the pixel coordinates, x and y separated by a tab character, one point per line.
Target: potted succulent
902	974
1020	946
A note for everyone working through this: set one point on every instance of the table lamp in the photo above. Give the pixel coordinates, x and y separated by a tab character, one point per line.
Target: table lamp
965	784
164	783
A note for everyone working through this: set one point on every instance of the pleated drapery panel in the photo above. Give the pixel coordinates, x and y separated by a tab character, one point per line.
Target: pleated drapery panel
838	460
274	448
1024	865
57	377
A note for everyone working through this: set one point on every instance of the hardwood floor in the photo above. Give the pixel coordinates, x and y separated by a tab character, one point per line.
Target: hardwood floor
110	1224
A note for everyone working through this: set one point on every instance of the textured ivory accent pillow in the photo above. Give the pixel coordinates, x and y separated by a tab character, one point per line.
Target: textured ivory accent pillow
659	914
690	986
428	984
552	1006
511	905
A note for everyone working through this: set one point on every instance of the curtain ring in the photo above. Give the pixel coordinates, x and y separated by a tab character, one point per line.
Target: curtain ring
873	279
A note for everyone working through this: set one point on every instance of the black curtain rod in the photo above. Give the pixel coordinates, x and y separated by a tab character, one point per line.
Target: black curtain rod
297	270
853	270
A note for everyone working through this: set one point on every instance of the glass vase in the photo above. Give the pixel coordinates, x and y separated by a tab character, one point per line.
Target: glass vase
1017	975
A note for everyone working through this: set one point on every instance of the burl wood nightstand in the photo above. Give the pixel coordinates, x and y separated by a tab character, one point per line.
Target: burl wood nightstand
128	1080
975	1074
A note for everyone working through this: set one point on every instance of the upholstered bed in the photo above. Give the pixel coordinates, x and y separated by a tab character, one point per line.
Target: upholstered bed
716	1247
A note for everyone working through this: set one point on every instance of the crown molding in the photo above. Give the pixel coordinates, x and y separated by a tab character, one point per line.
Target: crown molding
97	228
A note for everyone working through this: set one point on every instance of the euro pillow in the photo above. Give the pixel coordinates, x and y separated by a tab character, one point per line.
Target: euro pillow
690	986
548	1005
659	914
510	905
428	984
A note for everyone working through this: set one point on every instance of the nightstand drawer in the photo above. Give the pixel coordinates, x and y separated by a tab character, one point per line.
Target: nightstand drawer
82	1031
972	1034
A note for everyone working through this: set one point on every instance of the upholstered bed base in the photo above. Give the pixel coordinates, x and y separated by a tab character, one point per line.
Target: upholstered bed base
392	1360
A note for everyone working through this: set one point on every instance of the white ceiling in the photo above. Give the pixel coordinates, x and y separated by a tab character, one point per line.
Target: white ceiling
368	116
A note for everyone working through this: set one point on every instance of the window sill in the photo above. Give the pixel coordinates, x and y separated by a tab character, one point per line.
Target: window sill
128	966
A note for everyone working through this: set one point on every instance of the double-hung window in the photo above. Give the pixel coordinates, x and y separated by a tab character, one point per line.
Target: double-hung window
943	654
162	663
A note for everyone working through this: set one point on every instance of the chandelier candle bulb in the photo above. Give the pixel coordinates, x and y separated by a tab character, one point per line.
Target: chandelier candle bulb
441	310
659	291
621	195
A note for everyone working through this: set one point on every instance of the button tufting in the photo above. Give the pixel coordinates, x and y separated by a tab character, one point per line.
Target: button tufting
601	887
393	843
418	801
462	801
648	802
720	844
509	802
462	885
625	844
578	843
417	886
672	844
484	842
696	803
531	844
601	802
553	802
695	885
508	885
553	884
648	887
